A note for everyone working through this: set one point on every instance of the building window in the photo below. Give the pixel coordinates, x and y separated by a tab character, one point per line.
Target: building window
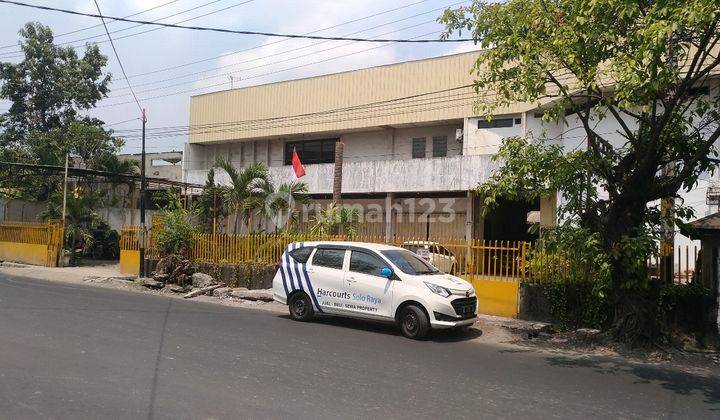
418	148
440	146
311	151
496	123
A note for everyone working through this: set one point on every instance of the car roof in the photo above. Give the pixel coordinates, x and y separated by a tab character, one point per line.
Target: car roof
367	245
420	243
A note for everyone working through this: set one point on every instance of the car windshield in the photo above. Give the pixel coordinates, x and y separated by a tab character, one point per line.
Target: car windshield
409	263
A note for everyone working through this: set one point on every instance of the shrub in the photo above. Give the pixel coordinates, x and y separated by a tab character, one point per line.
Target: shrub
573	273
176	234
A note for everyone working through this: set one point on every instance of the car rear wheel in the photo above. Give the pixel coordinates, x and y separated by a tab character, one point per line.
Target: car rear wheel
301	307
414	322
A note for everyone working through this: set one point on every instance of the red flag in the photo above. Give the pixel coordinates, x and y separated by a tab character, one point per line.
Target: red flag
297	165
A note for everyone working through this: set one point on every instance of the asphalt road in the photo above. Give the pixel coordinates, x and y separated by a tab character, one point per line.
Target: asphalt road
74	351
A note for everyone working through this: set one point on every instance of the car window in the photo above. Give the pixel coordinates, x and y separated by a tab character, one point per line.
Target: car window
363	262
301	255
434	249
408	262
332	258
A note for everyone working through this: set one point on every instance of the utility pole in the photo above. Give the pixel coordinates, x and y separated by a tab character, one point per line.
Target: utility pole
67	158
62	247
142	200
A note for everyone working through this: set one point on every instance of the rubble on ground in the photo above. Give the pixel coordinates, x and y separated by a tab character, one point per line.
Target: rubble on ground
262	295
151	283
201	280
174	269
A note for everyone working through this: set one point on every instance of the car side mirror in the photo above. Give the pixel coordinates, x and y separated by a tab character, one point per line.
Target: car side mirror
386	272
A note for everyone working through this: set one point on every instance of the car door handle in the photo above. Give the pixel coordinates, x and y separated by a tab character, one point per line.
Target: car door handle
351	280
310	270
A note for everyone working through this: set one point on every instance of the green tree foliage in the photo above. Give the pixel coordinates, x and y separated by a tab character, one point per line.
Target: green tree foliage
50	90
336	219
245	187
179	224
635	65
209	204
80	219
280	206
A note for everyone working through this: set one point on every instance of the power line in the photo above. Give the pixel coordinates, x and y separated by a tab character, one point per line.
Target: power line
255	76
232	31
316	113
120	122
20	53
117	56
275	42
98	25
404	101
186	75
254	67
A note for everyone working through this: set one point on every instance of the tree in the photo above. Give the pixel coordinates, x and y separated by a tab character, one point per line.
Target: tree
279	206
209	203
245	186
80	219
49	91
337	219
638	65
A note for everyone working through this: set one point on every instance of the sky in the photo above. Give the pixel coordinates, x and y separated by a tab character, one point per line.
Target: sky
164	91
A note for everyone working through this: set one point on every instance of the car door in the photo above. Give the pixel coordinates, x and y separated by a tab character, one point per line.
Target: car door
370	292
326	270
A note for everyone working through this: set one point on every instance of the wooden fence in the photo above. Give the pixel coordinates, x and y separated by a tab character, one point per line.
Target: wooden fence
31	243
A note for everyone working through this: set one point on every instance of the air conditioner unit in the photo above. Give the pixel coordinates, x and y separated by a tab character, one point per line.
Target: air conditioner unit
459	135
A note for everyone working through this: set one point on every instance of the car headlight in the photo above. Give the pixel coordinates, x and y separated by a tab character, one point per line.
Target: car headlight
438	290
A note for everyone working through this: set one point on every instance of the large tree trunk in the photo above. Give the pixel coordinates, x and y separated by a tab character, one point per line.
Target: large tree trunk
633	316
337	182
337	172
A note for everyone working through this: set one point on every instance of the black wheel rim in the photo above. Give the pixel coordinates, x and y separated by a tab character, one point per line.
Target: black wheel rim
411	323
299	307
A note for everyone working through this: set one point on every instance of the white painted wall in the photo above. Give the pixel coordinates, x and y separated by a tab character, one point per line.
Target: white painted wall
487	141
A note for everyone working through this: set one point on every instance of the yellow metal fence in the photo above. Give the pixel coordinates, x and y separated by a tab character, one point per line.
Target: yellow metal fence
476	259
31	243
494	268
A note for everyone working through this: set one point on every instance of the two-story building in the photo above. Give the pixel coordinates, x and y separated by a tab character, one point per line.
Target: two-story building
414	148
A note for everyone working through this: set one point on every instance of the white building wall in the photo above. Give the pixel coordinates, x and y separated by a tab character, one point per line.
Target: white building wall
487	141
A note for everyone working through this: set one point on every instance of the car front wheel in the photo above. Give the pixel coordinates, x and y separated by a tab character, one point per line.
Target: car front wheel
414	322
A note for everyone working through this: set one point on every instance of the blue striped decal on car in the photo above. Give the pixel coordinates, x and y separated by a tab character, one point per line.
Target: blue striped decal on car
294	273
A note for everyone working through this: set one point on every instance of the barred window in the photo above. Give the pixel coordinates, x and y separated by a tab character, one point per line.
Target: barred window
440	146
418	148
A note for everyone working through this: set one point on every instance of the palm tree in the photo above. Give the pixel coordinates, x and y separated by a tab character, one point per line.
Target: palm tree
275	205
336	219
245	186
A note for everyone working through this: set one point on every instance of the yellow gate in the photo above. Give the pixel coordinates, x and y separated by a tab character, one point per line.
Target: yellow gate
31	243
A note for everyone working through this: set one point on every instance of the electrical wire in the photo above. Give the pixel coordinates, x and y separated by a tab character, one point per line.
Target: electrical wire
117	56
98	25
237	32
274	63
214	69
20	53
164	69
255	76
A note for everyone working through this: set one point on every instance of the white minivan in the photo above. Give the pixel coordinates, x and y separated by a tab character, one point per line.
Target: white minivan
372	281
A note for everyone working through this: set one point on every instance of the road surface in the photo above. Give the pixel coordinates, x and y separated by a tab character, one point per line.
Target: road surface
75	351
